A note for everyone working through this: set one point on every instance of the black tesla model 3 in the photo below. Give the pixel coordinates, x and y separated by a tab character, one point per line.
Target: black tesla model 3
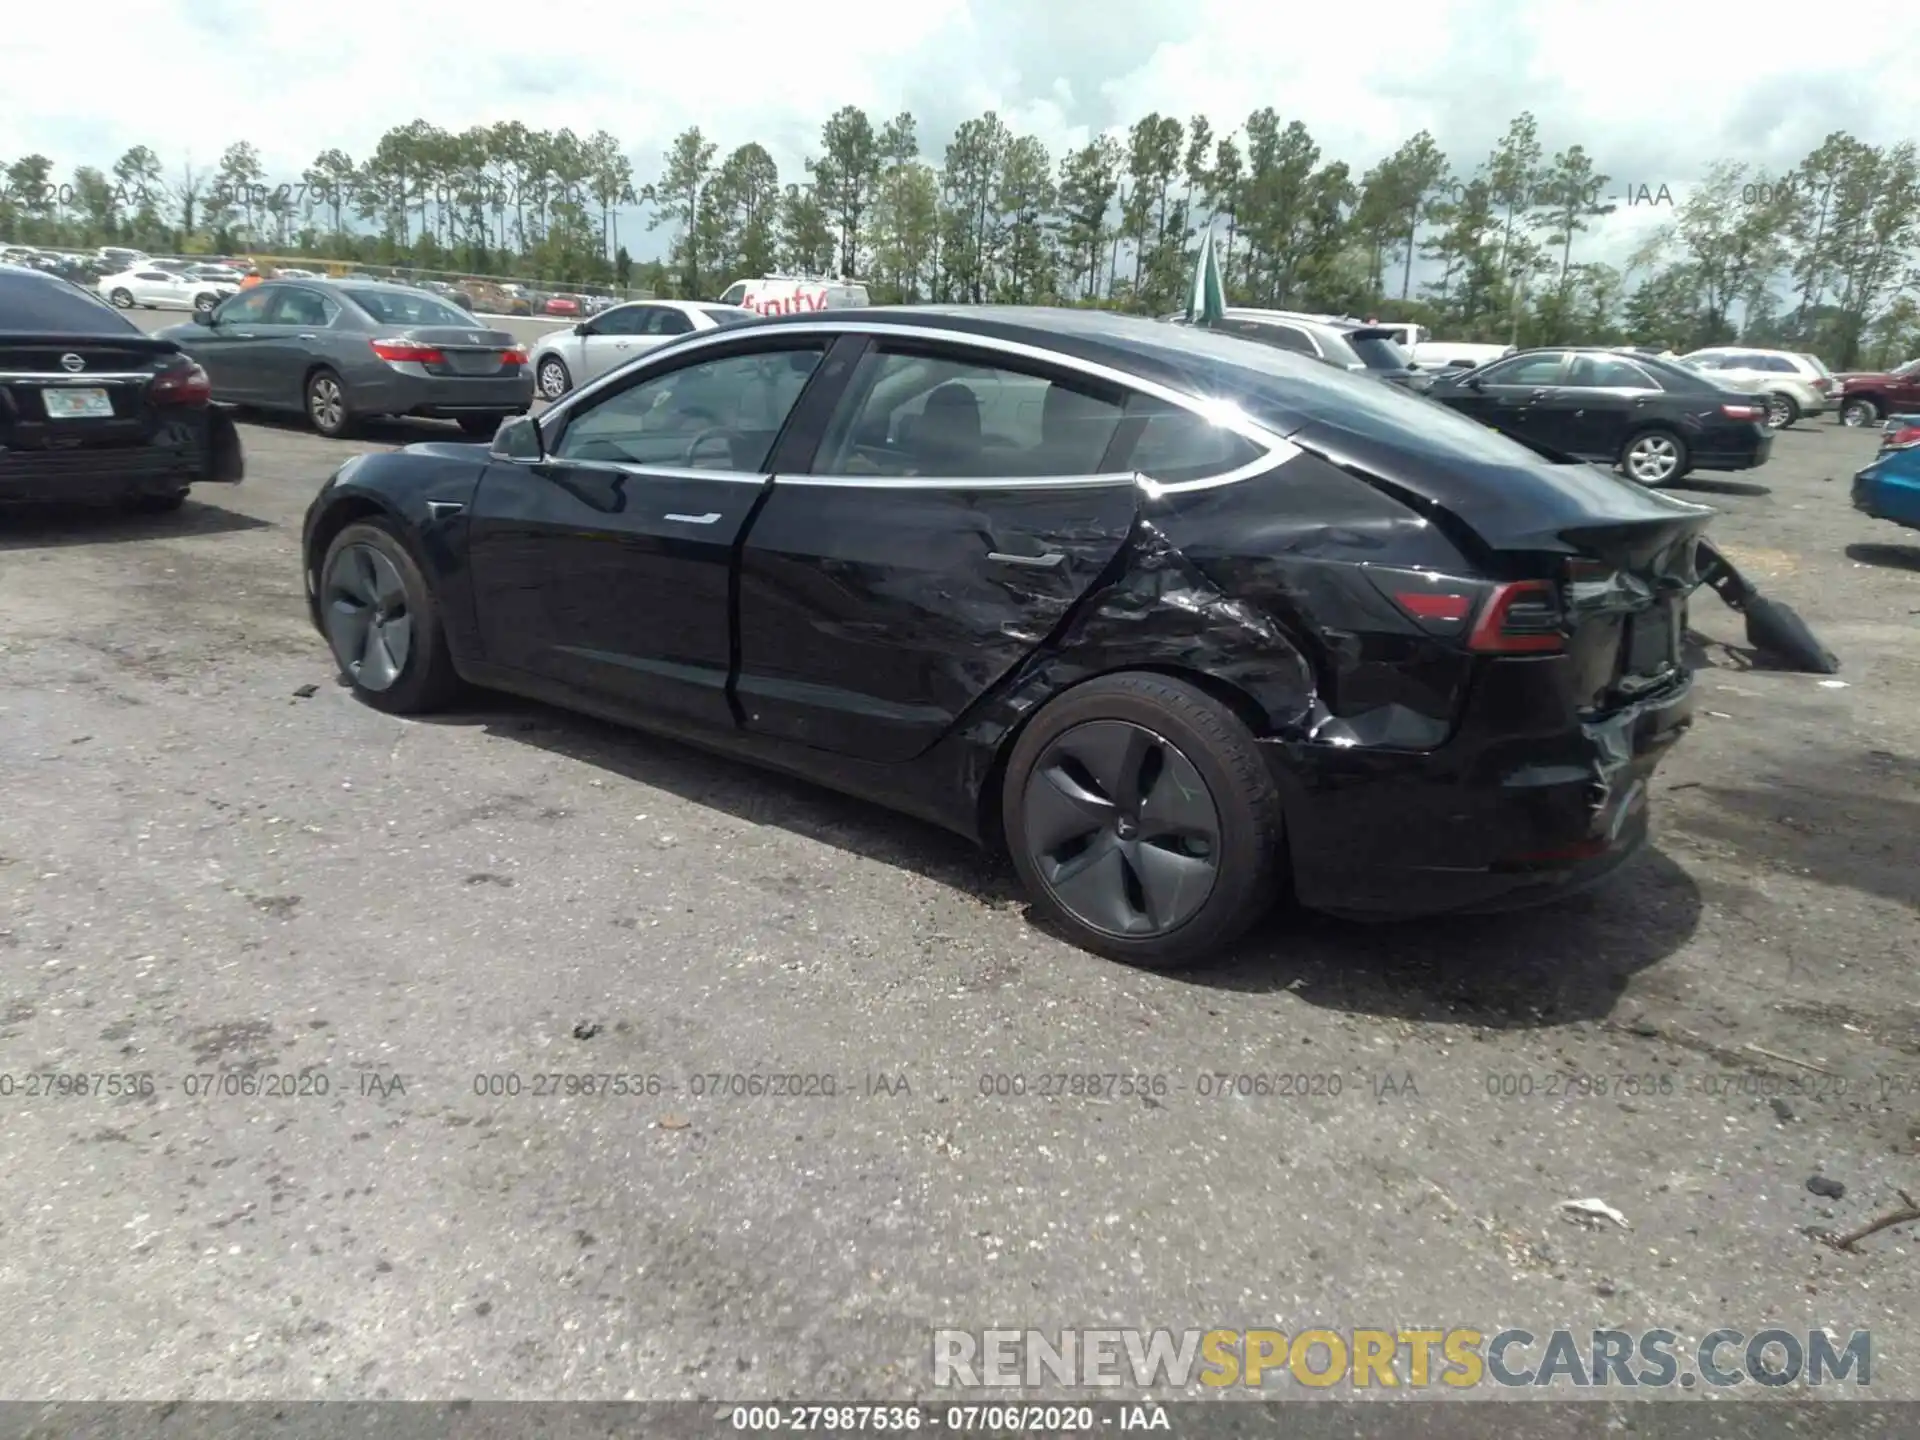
1184	622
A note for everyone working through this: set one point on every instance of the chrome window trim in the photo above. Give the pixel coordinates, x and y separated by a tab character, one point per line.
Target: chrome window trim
960	482
1276	449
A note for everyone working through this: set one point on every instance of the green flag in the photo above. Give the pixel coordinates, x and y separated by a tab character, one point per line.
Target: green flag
1207	301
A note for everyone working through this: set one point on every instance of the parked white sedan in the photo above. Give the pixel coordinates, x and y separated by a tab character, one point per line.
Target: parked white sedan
571	357
163	290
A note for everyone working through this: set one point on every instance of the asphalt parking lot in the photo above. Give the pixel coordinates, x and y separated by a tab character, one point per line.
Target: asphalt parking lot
217	874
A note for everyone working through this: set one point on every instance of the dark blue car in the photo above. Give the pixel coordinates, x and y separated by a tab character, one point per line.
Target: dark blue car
1889	487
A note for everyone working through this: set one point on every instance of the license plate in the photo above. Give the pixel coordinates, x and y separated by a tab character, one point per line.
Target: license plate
469	362
77	404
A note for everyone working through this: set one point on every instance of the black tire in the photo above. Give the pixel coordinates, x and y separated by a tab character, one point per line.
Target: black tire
155	504
325	402
122	299
204	304
1246	861
552	379
1859	411
484	427
427	679
1783	406
1651	439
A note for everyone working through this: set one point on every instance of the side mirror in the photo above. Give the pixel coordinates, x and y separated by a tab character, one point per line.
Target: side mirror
203	317
518	440
1474	382
583	328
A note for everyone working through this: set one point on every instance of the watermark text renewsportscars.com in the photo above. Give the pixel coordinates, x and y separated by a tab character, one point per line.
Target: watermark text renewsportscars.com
1456	1358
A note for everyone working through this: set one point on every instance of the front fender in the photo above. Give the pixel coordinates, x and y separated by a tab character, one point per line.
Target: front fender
424	491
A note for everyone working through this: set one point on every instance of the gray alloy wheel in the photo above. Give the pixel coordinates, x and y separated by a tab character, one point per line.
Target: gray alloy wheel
1859	412
327	403
1781	412
122	299
554	379
1121	829
1653	458
369	624
203	304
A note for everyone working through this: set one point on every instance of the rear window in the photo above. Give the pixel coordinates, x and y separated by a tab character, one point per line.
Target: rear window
45	303
1378	350
397	307
1819	365
727	314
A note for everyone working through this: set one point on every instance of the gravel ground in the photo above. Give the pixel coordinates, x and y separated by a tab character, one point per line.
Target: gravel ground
210	875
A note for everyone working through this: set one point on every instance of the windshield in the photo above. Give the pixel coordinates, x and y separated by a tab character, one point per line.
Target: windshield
1906	369
392	307
1379	350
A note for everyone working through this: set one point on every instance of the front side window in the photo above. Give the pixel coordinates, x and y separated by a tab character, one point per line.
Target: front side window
716	415
1542	369
248	308
627	320
917	414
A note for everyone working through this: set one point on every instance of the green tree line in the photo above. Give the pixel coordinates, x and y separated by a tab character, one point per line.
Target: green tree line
1820	257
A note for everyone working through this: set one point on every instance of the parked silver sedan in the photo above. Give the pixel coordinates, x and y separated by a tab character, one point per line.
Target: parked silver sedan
570	358
340	352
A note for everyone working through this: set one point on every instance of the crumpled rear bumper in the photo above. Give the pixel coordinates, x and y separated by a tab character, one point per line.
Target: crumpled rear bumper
1486	822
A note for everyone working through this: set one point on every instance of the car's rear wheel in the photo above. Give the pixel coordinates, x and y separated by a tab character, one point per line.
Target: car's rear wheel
484	426
122	298
327	404
1654	457
1143	820
203	304
554	379
1781	411
382	623
1859	412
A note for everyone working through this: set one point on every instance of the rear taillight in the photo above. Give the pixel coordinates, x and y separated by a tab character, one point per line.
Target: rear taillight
401	351
1743	412
1900	437
1521	617
513	357
1822	384
181	385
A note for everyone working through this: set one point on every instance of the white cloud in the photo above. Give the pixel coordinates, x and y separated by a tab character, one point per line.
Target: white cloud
1654	91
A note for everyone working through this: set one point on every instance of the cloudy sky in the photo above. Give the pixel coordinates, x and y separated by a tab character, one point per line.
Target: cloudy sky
1655	91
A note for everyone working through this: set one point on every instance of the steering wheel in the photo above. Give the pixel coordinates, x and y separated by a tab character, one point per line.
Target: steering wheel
706	436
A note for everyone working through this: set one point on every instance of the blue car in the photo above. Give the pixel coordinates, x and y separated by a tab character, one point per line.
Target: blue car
1889	488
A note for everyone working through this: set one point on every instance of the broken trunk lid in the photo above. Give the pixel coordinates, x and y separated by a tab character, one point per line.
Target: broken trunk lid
1511	501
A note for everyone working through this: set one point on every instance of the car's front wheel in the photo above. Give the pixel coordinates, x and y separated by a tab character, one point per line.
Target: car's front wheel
1654	457
382	623
553	377
1859	412
1143	820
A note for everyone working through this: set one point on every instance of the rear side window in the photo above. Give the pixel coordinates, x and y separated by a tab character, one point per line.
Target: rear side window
1281	337
1779	365
34	302
398	307
1176	444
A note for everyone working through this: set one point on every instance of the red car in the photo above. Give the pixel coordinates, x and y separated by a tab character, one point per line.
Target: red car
562	305
1869	396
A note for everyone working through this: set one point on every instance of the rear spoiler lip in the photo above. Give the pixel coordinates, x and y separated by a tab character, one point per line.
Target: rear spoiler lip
146	344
